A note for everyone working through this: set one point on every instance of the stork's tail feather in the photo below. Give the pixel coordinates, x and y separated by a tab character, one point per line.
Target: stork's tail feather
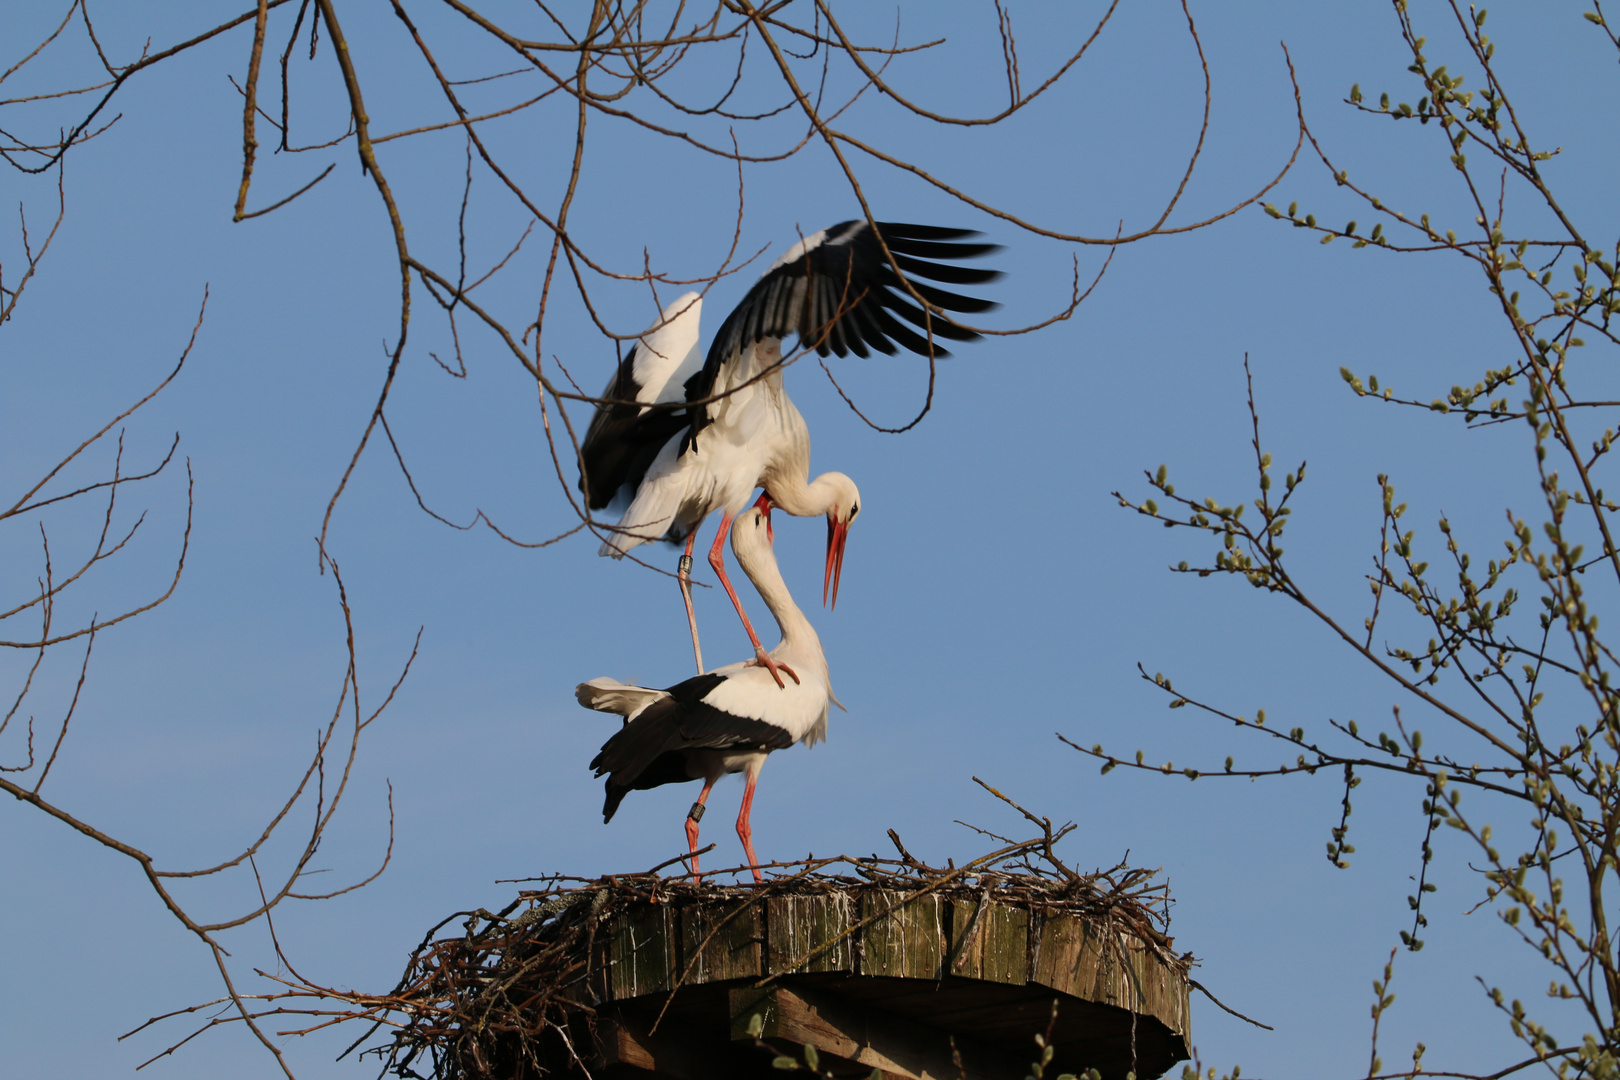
631	535
611	695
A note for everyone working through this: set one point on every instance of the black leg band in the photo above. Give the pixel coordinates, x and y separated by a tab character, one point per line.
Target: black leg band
696	813
686	566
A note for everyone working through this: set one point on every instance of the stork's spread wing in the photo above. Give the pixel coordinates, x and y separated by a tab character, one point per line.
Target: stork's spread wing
838	292
625	436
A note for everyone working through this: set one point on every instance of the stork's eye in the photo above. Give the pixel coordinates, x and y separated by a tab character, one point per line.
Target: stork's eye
853	510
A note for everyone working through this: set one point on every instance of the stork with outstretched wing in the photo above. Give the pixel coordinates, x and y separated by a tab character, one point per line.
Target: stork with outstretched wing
681	435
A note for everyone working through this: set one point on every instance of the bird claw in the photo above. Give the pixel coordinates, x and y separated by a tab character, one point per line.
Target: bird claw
762	659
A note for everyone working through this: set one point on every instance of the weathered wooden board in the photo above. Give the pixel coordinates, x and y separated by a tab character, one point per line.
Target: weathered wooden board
722	942
641	952
908	942
992	945
652	947
798	926
1162	994
1097	964
1067	958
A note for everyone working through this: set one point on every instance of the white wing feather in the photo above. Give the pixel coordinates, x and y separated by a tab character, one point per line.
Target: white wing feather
657	500
668	354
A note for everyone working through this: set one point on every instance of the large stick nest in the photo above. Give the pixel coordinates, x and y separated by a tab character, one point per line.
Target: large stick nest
497	998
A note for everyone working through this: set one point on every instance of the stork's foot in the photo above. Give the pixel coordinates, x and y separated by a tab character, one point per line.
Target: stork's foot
763	659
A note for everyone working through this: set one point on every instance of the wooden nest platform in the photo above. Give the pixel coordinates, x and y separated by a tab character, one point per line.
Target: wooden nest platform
887	967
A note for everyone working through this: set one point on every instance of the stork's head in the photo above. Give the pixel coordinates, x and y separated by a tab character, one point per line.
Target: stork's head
843	507
763	505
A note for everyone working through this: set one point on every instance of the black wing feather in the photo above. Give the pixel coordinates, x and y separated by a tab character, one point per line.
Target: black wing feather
665	769
947	272
906	336
917	317
925	232
871	331
951	301
929	249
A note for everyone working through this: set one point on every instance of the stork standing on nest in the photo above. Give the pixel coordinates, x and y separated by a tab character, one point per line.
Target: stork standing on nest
839	293
725	721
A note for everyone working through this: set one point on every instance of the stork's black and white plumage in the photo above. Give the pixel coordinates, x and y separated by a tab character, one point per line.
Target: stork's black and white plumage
724	721
838	292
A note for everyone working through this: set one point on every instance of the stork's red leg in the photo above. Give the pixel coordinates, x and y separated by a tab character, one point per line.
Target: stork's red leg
745	832
693	816
717	560
684	576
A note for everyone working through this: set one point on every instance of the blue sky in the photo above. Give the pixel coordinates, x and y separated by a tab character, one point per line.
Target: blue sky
993	593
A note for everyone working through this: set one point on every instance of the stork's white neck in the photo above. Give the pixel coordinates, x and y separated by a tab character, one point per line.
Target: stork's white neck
826	493
751	545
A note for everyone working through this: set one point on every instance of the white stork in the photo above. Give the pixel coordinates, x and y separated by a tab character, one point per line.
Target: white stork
727	720
838	292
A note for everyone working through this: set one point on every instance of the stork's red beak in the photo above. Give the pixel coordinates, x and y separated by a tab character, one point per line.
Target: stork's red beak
837	534
763	504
